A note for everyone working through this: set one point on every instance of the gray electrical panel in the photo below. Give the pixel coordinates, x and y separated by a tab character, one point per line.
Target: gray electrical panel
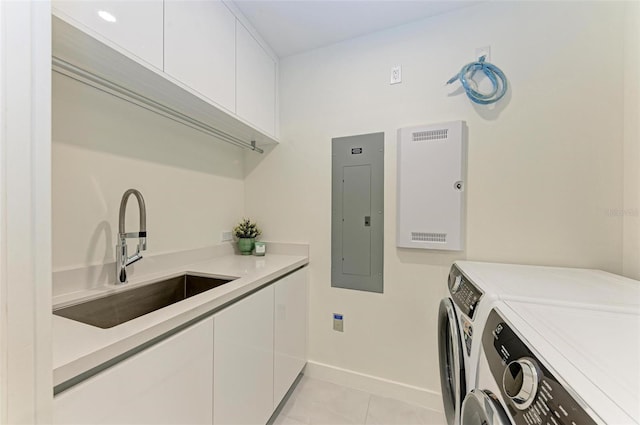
357	218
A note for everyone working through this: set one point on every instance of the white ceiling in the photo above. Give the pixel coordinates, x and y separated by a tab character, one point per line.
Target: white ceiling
294	26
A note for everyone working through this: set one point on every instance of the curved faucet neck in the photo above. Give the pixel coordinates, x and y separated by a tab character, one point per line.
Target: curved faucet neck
123	209
122	257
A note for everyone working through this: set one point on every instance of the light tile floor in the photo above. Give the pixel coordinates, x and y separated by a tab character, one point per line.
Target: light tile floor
323	403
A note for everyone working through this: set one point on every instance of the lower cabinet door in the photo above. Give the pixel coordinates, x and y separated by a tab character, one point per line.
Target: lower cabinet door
290	339
167	383
243	361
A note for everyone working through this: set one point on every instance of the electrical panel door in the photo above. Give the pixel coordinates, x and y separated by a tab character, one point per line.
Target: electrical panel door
357	224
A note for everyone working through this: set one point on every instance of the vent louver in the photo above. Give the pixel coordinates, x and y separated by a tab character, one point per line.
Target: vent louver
429	237
424	136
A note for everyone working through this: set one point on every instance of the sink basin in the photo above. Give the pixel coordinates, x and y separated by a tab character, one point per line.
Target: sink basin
112	310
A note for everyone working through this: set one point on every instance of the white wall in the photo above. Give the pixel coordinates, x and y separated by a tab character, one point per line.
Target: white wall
192	184
545	165
631	209
25	219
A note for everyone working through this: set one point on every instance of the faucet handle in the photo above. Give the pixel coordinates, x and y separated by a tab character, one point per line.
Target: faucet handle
134	258
134	235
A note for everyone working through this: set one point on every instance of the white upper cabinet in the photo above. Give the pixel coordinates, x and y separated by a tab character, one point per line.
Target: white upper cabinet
191	56
134	25
199	48
255	82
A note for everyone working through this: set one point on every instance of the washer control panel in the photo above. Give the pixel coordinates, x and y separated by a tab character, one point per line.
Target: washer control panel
467	331
532	393
464	293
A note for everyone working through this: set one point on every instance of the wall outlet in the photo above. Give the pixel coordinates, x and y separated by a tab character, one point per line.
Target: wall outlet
396	74
484	51
227	236
338	322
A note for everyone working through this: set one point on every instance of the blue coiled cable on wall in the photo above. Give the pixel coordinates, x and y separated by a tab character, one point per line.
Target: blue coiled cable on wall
493	73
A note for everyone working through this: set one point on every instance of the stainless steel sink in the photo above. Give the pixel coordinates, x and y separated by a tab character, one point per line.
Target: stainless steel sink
112	310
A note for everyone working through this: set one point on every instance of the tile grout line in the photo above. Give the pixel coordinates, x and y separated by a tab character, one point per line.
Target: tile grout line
366	415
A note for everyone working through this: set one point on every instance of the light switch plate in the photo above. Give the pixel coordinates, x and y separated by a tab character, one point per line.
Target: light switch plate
227	236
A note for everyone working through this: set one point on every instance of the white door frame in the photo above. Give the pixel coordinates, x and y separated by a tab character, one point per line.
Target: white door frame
25	212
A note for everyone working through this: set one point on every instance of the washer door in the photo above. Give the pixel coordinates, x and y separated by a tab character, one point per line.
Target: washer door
452	376
481	407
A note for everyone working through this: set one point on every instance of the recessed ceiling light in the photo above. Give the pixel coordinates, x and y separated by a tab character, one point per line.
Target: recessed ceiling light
106	16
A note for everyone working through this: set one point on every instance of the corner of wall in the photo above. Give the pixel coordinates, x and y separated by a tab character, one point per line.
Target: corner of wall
631	149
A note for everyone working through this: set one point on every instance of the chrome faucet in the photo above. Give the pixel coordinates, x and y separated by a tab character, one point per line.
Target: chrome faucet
122	259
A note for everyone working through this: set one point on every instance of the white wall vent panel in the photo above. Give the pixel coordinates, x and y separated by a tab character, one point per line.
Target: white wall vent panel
429	237
421	136
431	198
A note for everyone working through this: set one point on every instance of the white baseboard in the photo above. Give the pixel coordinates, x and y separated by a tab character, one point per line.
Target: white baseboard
375	385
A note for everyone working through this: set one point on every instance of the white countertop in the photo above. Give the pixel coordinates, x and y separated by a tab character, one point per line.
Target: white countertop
78	347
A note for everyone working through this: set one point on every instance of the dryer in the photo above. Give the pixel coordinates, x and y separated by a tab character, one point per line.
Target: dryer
556	364
554	285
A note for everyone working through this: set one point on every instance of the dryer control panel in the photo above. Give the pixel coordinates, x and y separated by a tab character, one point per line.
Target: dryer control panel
532	393
464	293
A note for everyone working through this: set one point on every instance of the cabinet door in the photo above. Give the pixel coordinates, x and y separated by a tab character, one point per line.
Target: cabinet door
255	82
200	48
168	383
134	25
290	339
243	361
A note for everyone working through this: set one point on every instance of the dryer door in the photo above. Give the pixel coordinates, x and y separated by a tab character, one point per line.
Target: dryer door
452	374
483	408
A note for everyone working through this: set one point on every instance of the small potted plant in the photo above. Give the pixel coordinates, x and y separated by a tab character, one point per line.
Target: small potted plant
246	232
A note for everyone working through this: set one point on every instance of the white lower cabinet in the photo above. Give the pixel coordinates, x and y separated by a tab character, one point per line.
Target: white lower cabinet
290	332
234	367
260	347
168	383
243	361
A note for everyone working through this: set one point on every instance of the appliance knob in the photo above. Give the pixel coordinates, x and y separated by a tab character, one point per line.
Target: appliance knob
473	305
456	284
520	382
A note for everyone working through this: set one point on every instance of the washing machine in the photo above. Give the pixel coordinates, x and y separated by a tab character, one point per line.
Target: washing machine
457	319
556	364
475	288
